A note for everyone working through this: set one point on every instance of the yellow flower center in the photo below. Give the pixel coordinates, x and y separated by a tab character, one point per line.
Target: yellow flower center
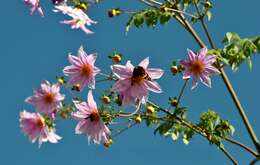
49	98
40	122
197	67
94	117
86	70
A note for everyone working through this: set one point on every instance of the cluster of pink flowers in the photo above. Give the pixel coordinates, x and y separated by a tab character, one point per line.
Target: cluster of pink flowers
79	18
47	100
133	84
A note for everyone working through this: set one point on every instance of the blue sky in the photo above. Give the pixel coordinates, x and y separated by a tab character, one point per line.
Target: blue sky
34	49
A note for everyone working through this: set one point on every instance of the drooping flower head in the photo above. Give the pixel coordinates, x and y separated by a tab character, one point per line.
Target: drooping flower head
82	70
135	81
47	98
199	67
79	18
89	121
33	125
34	5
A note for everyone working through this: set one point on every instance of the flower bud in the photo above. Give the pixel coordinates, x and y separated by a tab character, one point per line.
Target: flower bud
105	99
114	12
116	58
150	109
83	6
61	81
108	143
173	102
208	4
174	69
138	119
63	114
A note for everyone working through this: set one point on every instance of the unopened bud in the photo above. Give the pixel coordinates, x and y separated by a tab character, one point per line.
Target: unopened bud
138	119
174	102
116	58
105	99
208	4
108	143
114	12
174	69
150	109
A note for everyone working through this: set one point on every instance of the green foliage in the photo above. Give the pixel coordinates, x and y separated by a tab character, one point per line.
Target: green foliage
237	50
215	128
149	17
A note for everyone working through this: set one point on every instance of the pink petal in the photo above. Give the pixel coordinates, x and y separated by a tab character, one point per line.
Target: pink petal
202	53
91	101
144	63
155	73
74	60
153	86
129	66
194	82
86	30
205	80
92	58
69	70
121	71
191	54
121	85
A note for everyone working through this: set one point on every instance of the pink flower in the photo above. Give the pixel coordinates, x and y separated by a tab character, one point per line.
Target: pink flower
134	82
82	70
33	125
35	5
199	67
89	121
80	18
47	98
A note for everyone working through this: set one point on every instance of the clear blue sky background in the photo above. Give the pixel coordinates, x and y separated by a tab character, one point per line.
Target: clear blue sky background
34	49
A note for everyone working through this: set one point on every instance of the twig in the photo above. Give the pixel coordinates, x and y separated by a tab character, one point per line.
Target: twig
242	146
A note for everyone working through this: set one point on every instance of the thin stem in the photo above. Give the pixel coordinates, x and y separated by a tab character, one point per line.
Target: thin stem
133	113
124	129
201	18
229	155
240	109
183	12
254	161
242	146
148	3
192	31
155	2
181	92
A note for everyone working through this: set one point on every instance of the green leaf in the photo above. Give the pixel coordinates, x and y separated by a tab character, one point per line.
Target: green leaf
231	37
209	15
163	128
